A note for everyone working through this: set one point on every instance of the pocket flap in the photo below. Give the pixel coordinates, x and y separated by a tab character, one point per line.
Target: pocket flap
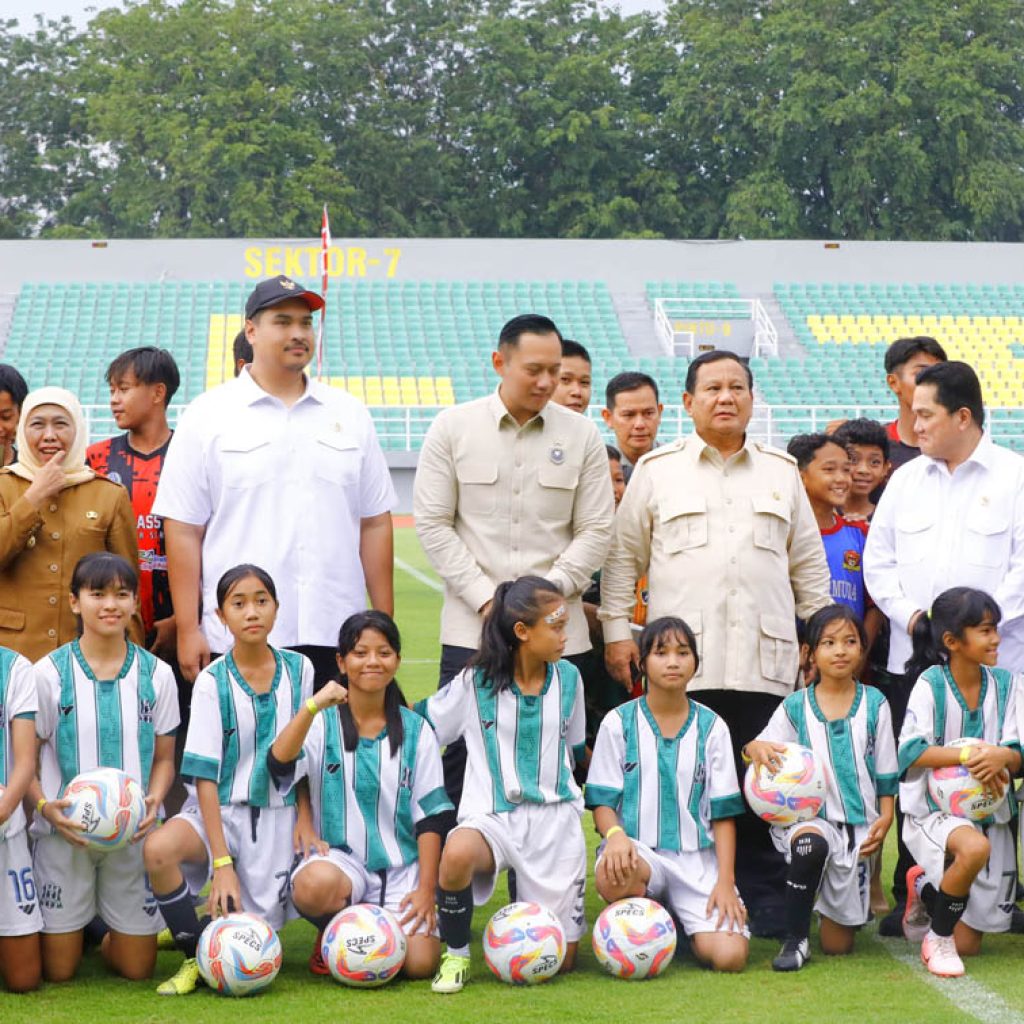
778	627
564	477
915	520
338	441
771	505
242	441
988	521
671	506
476	471
10	619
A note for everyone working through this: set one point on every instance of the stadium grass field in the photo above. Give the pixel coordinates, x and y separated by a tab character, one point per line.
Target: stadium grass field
882	981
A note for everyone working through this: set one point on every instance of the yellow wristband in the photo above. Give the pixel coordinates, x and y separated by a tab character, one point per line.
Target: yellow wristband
745	757
613	830
223	862
965	754
312	707
40	804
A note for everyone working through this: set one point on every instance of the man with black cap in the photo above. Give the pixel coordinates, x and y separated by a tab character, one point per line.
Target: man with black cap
284	472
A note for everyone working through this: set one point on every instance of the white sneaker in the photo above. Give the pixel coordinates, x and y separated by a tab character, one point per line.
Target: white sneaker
938	952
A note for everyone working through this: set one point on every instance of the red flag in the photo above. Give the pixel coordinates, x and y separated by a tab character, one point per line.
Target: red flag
325	248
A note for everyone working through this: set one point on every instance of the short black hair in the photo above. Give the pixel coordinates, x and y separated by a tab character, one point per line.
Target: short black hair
956	387
527	323
803	447
866	432
628	380
717	355
13	383
824	617
572	348
151	365
100	570
241	349
613	453
904	349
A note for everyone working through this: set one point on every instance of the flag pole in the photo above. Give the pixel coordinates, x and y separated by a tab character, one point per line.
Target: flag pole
325	248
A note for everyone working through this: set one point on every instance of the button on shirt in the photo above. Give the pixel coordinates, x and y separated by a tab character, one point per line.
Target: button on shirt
494	500
284	488
730	546
934	530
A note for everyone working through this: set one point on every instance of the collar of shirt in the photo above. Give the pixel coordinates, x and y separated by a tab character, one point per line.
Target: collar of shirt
252	393
699	449
983	456
500	412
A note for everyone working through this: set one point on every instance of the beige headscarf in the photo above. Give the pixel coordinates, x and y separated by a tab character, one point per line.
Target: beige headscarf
75	469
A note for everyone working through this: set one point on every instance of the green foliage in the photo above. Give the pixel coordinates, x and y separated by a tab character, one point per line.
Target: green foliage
542	118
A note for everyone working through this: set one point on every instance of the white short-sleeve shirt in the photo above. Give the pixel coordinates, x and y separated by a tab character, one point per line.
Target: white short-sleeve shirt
284	488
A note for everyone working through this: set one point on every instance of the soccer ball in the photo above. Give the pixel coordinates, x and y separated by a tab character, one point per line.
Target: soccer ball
793	792
524	944
239	954
364	946
956	791
108	804
634	938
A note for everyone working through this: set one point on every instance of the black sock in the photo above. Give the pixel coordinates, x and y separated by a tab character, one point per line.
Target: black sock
320	921
455	916
808	855
929	894
94	932
179	914
948	910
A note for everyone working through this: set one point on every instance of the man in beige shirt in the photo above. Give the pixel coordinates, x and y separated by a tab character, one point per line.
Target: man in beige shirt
723	529
509	485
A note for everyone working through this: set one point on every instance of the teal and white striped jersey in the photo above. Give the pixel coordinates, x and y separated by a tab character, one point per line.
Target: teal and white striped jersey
367	801
231	727
17	700
666	790
85	722
519	749
937	715
858	751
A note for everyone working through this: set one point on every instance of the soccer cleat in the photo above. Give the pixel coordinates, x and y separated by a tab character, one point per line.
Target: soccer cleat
317	963
891	926
164	939
451	975
793	955
916	919
183	982
938	952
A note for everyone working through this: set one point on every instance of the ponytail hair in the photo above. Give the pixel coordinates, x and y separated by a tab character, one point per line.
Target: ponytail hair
523	600
953	611
394	700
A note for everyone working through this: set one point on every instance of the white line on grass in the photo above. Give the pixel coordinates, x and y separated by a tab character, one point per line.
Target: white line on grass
426	580
966	994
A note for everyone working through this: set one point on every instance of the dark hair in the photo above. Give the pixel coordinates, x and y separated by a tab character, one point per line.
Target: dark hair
13	383
103	569
869	433
824	617
717	355
394	700
661	629
953	611
150	365
613	453
521	600
903	350
956	387
241	350
228	581
803	447
572	348
526	323
629	380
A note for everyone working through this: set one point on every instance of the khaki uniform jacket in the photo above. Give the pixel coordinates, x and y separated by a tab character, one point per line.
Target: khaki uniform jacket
39	551
494	501
731	547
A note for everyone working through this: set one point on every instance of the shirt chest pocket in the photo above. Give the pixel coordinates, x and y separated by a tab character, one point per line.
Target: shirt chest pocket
336	459
987	537
478	487
771	523
245	460
914	536
683	521
557	492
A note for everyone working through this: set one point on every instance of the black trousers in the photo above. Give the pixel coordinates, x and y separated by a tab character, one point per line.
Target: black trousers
325	666
760	868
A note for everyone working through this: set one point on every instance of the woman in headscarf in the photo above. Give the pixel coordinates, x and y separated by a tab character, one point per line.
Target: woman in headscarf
54	510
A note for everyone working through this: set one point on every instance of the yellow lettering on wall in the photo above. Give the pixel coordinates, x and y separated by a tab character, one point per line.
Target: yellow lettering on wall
303	261
253	262
272	261
356	261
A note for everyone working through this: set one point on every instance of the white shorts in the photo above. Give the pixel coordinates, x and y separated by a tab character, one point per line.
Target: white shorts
844	895
386	888
76	883
544	845
991	898
260	840
681	881
19	903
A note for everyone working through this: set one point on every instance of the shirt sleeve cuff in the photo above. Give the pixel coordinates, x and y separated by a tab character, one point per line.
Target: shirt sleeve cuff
478	593
197	767
910	751
887	785
730	806
602	796
616	630
563	581
900	614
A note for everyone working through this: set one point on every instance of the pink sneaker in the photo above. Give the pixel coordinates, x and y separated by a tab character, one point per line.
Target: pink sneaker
938	952
916	919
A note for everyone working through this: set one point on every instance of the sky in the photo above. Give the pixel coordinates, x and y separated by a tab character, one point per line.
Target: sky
24	10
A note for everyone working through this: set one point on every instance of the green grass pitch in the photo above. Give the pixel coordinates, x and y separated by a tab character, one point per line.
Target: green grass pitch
871	985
